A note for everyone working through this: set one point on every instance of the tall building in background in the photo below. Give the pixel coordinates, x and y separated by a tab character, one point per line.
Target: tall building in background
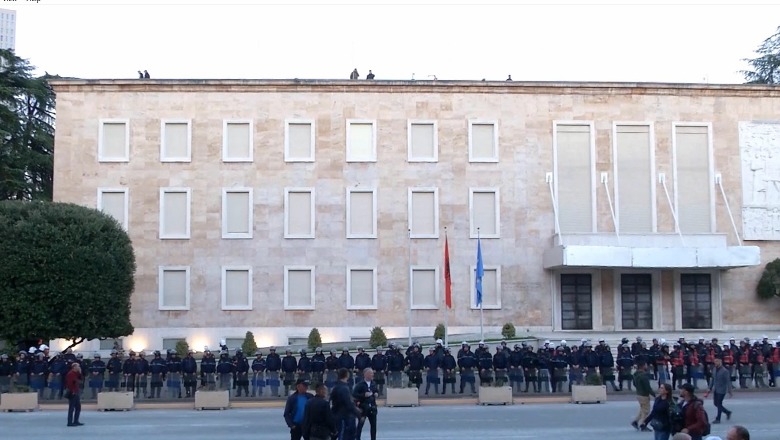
7	29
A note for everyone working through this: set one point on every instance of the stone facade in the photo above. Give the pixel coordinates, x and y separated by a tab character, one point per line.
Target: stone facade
524	113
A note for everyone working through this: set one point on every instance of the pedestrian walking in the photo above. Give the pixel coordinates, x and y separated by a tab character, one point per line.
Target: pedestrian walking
318	421
73	393
720	387
643	393
365	393
694	417
343	407
659	418
295	407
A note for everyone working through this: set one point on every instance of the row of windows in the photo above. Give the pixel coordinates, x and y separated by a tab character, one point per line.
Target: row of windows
299	212
299	140
174	290
636	301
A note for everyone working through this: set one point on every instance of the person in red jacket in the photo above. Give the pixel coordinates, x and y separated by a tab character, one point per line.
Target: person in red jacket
73	386
694	417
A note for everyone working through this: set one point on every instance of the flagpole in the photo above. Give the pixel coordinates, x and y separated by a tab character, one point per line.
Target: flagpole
409	312
481	314
446	307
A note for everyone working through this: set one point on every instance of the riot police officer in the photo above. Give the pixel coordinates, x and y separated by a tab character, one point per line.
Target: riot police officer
258	374
97	371
208	370
114	368
225	371
273	363
431	364
174	368
189	368
289	367
362	361
241	373
318	366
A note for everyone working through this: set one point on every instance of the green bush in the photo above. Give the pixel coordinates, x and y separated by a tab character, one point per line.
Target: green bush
249	346
593	379
439	332
315	340
182	348
508	331
378	338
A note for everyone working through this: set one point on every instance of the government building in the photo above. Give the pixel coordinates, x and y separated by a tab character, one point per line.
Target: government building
276	206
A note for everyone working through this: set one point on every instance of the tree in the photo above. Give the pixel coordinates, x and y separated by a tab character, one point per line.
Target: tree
508	330
182	348
26	131
315	340
438	332
378	338
249	346
67	272
766	67
769	284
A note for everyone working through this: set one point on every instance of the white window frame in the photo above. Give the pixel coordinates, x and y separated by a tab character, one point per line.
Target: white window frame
312	146
710	165
616	175
493	189
250	213
125	191
492	122
373	140
287	192
436	287
287	270
163	156
349	288
225	157
423	189
160	287
225	270
473	288
410	156
101	123
371	190
656	295
593	184
188	191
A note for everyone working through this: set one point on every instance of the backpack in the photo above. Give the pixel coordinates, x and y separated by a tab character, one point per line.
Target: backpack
676	417
707	427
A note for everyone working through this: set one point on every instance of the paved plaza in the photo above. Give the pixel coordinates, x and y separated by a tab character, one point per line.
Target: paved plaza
534	421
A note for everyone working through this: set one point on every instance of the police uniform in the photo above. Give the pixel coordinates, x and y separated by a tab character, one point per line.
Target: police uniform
347	361
57	371
467	363
273	363
414	364
258	374
158	368
331	370
304	367
114	368
289	367
208	371
500	366
97	371
318	366
241	374
173	379
431	364
395	366
225	371
6	369
38	371
362	361
379	365
128	372
189	369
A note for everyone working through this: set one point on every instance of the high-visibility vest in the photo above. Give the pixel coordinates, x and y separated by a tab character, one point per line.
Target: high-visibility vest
710	358
759	357
744	359
694	358
728	358
776	355
678	360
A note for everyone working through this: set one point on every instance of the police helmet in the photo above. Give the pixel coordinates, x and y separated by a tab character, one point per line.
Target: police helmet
258	353
546	342
318	350
517	347
142	354
288	351
360	348
603	340
432	349
43	347
624	341
332	352
764	337
32	350
4	356
563	342
439	341
303	351
638	339
81	356
345	349
463	344
272	348
732	339
96	355
157	353
447	349
114	352
587	344
132	353
380	349
482	343
416	342
239	350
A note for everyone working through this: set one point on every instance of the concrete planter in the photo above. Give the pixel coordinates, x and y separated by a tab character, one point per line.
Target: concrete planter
588	393
402	397
18	402
495	395
116	401
212	400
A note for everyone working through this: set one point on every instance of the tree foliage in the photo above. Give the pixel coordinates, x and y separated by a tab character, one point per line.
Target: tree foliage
378	338
438	332
769	284
26	131
766	67
67	272
315	339
508	330
182	348
249	346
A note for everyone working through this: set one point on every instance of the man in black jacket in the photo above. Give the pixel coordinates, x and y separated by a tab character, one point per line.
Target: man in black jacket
294	410
318	422
365	394
343	407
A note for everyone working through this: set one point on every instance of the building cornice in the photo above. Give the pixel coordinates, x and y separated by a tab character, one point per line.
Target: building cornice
407	86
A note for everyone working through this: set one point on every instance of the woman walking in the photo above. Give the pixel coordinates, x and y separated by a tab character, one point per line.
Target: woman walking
659	418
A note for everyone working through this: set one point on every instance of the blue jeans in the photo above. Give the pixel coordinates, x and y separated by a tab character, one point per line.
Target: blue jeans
74	409
347	427
661	435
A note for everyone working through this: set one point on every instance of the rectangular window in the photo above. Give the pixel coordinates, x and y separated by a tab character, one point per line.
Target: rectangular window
299	213
484	213
175	140
237	143
693	185
237	208
108	344
696	297
636	299
483	141
361	213
175	213
361	288
114	140
236	288
299	287
114	202
425	287
170	344
234	343
174	287
424	212
423	141
634	183
576	302
361	140
491	288
299	140
574	152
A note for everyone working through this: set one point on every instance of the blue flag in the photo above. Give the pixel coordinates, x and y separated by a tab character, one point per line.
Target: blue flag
480	274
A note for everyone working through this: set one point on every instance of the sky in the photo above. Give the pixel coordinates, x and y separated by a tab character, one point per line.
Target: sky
690	41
